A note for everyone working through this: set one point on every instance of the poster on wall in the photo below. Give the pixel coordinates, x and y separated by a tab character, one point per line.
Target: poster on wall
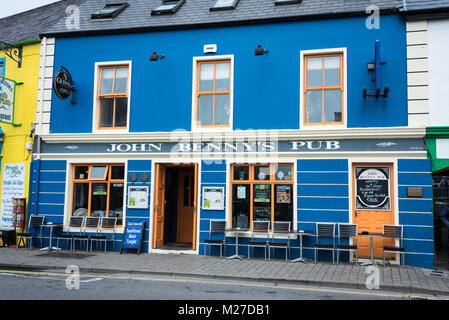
213	198
7	95
13	186
138	197
373	188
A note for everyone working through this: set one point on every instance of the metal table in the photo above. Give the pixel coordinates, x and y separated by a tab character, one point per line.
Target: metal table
237	231
371	235
301	233
51	226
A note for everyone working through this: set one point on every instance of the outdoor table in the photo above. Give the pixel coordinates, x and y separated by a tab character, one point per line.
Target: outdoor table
371	235
237	231
51	226
301	233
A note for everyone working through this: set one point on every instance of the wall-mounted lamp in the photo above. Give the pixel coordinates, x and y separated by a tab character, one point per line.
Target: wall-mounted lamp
260	51
155	56
375	68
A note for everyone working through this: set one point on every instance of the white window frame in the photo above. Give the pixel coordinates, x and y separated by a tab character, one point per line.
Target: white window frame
302	106
96	105
194	124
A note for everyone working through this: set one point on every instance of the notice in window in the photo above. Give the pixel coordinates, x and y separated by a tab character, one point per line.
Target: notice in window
283	194
262	193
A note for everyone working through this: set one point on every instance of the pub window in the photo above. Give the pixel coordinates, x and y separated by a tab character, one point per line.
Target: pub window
98	190
323	89
261	192
213	93
2	69
113	97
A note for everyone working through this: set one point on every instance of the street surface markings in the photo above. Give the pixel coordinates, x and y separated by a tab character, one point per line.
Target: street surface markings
228	282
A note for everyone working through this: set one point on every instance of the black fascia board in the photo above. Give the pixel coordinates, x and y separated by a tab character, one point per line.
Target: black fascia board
430	14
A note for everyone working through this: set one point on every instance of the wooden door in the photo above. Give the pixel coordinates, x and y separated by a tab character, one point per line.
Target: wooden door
159	206
195	205
186	206
373	203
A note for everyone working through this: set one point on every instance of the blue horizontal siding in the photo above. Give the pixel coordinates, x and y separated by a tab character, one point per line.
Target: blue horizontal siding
420	260
50	209
323	177
414	165
414	179
52	175
53	165
213	177
52	187
418	232
214	165
323	165
323	203
418	219
325	191
427	192
418	246
322	216
139	165
51	197
415	205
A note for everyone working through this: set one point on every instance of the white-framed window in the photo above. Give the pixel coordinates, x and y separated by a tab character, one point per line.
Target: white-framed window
112	97
323	89
213	93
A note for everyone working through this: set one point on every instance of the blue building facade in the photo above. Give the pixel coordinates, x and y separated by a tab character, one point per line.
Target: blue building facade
212	130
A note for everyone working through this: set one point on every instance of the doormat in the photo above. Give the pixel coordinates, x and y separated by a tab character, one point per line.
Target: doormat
67	255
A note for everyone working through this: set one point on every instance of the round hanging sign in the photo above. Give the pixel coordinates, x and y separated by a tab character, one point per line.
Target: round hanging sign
63	83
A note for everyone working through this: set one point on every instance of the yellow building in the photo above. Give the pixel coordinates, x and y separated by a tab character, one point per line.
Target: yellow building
20	51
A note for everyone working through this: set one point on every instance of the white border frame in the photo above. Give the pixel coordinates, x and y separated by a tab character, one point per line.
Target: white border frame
95	104
194	126
303	53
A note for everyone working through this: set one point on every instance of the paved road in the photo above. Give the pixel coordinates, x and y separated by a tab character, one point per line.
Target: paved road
31	285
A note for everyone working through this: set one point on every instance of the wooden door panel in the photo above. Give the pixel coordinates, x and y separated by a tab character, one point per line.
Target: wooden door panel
159	207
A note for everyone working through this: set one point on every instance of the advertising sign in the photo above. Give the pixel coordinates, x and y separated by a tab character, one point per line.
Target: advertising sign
132	239
7	95
213	198
373	188
13	186
138	197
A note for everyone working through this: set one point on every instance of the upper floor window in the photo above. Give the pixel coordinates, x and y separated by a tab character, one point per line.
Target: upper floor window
2	68
224	5
213	93
109	11
323	89
112	97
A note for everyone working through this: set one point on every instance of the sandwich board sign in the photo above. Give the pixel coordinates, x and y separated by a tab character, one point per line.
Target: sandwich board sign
132	238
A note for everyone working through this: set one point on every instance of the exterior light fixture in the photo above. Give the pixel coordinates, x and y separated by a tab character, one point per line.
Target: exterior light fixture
375	68
260	51
155	56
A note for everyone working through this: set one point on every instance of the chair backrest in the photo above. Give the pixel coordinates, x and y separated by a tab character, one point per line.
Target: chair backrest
217	226
36	221
281	227
326	230
390	231
347	230
76	222
261	226
92	223
108	223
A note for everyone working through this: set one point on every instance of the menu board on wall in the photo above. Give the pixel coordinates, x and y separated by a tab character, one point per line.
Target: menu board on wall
13	186
373	188
138	197
213	198
262	193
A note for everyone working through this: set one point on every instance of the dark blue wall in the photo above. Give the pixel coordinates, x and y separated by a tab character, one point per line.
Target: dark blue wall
266	88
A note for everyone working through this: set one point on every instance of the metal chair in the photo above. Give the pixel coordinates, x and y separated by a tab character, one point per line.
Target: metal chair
34	222
74	223
107	224
260	229
395	232
281	228
347	231
326	231
92	225
216	227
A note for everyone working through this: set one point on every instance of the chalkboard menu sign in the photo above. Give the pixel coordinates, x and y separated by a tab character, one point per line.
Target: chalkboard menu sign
373	188
132	239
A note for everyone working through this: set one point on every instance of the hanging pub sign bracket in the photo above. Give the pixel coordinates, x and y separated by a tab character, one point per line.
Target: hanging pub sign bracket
375	67
63	85
12	51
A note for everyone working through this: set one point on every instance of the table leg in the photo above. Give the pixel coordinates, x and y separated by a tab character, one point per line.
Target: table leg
371	262
300	259
236	255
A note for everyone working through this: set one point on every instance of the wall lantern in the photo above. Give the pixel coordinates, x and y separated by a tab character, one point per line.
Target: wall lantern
155	56
260	51
375	67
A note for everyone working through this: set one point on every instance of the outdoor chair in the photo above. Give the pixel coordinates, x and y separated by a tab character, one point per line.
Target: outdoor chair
325	231
281	228
346	232
216	227
396	233
92	225
260	229
74	223
107	226
34	223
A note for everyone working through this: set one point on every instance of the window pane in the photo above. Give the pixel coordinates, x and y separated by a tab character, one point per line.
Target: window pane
117	172
332	106
314	106
80	199
241	205
205	109
283	172
121	114
121	80
283	204
106	112
206	77
241	172
81	172
314	72
2	69
224	3
332	71
222	108
98	199
116	200
107	79
262	173
98	172
222	76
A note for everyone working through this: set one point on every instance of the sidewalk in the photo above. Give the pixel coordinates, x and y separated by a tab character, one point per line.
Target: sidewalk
403	279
